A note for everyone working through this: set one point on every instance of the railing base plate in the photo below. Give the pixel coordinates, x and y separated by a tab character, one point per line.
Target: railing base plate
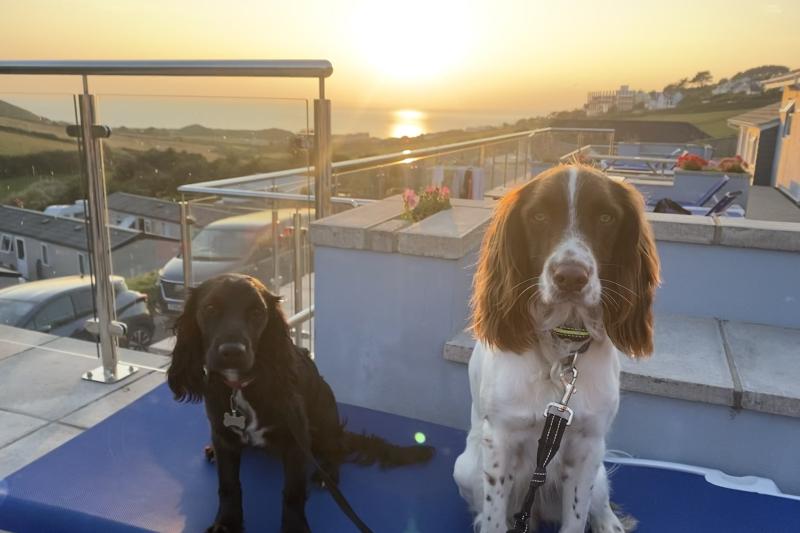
99	375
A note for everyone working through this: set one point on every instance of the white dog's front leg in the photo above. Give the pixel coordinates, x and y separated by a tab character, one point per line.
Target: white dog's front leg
580	462
498	477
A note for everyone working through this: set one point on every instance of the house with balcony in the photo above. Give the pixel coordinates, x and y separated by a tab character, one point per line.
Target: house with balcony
787	150
757	141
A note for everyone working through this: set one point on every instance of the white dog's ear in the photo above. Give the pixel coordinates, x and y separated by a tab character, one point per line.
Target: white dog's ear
501	315
631	326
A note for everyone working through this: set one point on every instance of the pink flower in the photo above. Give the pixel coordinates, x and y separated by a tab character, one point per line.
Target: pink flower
410	199
445	191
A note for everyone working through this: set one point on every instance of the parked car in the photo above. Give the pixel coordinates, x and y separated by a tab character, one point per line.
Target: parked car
240	244
61	306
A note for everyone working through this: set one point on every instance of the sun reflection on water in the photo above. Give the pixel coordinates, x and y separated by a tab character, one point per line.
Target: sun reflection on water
408	123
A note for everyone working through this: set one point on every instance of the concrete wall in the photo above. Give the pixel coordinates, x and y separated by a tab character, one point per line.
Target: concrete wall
381	324
722	438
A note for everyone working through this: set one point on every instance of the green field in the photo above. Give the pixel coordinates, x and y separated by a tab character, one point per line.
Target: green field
714	123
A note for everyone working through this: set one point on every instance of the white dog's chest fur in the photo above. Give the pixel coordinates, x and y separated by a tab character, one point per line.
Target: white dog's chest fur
253	434
510	393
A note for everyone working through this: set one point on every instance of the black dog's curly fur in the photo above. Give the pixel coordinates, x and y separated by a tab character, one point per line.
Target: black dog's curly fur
287	394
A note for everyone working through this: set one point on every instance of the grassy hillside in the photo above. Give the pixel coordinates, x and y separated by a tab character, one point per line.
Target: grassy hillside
714	123
11	111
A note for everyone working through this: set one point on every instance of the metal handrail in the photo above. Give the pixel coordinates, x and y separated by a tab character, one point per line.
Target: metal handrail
350	165
303	316
314	68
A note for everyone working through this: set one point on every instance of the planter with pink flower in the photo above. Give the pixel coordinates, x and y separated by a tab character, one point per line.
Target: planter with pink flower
695	175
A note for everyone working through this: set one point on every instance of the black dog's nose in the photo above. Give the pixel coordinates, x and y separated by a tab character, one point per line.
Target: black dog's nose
570	277
231	350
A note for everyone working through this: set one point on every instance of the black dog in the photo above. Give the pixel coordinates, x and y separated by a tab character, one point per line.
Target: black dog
234	351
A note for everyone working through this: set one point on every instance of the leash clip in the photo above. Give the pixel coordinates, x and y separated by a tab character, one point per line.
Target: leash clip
560	410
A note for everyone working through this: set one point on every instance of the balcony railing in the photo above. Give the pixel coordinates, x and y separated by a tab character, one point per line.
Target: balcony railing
101	241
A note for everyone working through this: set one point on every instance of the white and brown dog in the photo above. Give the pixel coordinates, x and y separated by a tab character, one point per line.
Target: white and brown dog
571	248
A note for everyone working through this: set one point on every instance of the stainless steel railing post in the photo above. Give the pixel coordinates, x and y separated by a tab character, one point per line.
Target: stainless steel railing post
186	248
106	326
323	169
297	238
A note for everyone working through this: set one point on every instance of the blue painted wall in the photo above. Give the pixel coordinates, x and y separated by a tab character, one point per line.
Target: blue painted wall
381	324
713	436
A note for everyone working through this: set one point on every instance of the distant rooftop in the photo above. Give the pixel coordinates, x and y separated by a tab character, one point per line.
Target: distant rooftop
63	231
790	78
763	117
158	209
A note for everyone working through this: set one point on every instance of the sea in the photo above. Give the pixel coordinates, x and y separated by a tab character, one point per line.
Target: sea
255	114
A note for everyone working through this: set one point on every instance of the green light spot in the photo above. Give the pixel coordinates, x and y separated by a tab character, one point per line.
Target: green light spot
419	437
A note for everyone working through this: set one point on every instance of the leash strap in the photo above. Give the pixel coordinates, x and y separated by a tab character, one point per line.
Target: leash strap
333	488
557	417
549	442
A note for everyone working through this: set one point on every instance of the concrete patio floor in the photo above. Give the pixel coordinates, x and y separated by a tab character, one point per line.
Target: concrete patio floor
43	400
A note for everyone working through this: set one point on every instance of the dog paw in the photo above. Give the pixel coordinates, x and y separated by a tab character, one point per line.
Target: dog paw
208	451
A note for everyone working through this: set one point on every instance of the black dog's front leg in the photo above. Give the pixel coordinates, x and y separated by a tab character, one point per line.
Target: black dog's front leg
229	515
294	492
294	453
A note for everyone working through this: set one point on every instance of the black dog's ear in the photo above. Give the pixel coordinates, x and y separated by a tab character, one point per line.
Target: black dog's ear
186	377
277	331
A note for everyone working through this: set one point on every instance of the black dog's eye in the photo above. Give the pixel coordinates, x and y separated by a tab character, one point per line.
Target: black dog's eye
540	217
605	218
210	309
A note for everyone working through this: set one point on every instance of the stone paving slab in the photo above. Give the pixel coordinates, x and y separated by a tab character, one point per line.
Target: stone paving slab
767	360
449	234
135	357
131	391
763	234
28	449
689	362
14	426
48	384
682	228
15	340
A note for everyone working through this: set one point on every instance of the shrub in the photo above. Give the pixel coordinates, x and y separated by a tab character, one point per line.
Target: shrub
732	165
430	201
691	162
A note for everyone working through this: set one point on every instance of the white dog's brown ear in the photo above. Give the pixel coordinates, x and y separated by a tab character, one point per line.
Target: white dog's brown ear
630	327
500	308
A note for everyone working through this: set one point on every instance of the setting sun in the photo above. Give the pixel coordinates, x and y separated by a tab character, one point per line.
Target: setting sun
413	41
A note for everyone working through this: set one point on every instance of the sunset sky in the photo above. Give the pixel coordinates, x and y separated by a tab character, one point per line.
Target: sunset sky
524	56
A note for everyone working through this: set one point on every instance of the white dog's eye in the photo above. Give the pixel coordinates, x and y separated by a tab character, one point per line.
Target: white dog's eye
605	218
539	217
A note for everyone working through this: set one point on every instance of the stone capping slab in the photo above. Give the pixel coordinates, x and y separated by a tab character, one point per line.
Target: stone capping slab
453	233
448	234
762	234
767	362
735	364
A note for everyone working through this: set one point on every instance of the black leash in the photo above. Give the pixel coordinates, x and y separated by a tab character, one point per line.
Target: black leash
333	488
558	417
